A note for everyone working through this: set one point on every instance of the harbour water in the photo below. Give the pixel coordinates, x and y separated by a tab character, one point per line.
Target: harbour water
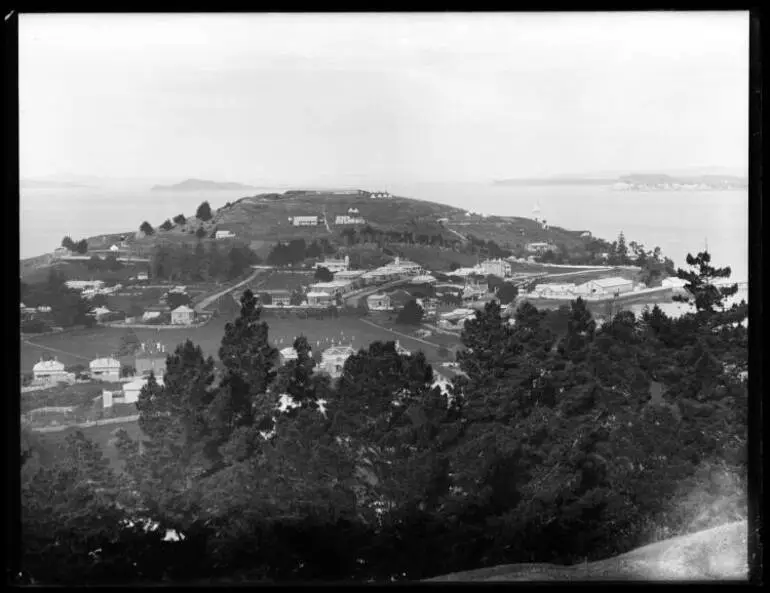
677	221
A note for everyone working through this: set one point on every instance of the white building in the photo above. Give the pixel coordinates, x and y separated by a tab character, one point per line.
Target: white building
333	287
673	282
132	389
288	354
114	248
305	220
105	369
540	247
380	195
100	313
142	276
423	279
608	286
333	359
318	298
224	235
334	265
49	371
554	290
496	267
182	315
84	284
464	272
378	302
347	219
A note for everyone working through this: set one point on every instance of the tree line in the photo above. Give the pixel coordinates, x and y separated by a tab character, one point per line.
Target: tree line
296	251
68	306
561	441
199	263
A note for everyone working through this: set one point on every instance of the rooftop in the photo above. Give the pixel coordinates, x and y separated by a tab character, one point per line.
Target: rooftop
48	365
105	362
614	281
339	351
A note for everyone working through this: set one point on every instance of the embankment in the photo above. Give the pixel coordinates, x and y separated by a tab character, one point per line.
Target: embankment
719	553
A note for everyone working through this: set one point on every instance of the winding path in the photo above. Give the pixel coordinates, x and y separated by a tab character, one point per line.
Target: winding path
210	299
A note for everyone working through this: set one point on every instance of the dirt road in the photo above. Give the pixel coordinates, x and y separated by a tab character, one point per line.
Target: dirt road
210	299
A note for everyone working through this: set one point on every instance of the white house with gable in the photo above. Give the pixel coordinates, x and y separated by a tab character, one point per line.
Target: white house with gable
49	371
105	369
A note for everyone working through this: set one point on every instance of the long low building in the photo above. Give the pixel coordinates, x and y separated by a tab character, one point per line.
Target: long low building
333	287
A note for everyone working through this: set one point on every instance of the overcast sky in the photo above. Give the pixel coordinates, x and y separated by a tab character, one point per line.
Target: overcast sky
340	98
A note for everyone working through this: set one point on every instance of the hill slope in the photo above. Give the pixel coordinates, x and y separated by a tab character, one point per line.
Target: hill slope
201	185
713	554
264	219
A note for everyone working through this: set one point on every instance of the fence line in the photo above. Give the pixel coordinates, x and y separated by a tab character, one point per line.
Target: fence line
119	420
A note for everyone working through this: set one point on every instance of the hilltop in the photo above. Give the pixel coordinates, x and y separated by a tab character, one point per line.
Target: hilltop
259	221
201	185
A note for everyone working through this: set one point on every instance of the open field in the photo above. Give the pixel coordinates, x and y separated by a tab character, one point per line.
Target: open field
436	259
81	346
279	280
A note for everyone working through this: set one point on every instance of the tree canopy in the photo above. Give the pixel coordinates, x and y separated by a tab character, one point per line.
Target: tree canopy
558	440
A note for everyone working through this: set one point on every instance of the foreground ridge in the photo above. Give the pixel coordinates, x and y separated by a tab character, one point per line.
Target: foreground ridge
719	553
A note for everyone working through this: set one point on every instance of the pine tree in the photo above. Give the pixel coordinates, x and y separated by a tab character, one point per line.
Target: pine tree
250	362
700	283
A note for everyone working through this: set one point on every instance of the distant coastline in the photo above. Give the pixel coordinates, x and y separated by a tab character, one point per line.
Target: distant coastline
202	185
640	182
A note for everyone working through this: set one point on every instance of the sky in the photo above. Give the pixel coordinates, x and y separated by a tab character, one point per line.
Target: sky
269	98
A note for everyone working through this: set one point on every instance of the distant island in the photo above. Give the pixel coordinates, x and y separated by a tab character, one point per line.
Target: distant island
640	182
202	184
671	183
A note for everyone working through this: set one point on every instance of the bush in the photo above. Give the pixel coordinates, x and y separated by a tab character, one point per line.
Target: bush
167	225
34	326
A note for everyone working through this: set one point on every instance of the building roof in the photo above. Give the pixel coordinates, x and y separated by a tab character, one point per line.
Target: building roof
610	282
377	296
289	352
48	365
276	292
339	351
423	278
183	309
105	362
318	294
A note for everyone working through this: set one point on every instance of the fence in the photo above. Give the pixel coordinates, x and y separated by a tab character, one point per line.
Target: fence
118	420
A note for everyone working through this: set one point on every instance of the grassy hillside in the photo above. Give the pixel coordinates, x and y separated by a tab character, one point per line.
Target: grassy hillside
262	220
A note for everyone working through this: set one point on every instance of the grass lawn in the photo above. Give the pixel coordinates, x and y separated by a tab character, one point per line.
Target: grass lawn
80	346
101	435
285	280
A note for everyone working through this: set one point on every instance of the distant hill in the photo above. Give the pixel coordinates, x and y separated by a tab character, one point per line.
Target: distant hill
202	185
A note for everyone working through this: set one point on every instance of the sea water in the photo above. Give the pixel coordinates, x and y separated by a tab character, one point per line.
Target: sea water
679	222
